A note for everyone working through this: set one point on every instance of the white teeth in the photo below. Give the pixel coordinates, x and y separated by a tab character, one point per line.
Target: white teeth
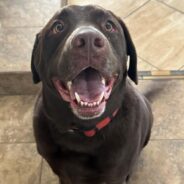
77	97
82	103
101	97
103	81
69	84
88	104
91	104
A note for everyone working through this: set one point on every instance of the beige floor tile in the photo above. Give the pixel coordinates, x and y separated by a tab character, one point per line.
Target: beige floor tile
145	66
21	13
161	162
16	47
182	68
19	164
48	177
18	83
167	103
121	8
178	4
16	119
157	31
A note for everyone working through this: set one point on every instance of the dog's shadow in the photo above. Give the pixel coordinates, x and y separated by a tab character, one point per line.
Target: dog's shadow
152	89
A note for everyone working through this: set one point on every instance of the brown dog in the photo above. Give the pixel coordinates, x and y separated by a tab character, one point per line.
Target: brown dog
90	124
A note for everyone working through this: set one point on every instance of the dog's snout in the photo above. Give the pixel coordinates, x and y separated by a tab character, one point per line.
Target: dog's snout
88	39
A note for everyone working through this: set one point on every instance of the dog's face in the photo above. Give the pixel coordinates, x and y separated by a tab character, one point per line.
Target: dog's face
82	54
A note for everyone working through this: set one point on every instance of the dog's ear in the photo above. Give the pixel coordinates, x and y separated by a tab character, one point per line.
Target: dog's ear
131	52
35	59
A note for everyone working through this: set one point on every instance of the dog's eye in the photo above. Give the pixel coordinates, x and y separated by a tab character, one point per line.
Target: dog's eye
109	26
59	27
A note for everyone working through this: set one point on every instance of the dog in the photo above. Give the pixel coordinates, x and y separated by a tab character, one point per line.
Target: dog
90	123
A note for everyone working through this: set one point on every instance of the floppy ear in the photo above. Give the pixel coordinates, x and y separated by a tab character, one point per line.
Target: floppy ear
35	59
131	51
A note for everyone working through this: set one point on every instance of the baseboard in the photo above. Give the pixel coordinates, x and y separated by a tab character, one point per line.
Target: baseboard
17	83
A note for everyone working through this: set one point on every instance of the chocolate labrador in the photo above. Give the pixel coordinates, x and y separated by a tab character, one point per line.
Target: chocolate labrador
90	123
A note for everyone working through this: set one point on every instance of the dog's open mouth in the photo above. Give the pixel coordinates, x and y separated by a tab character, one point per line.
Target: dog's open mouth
87	93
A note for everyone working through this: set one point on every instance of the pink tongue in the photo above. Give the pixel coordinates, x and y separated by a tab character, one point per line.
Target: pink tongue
88	85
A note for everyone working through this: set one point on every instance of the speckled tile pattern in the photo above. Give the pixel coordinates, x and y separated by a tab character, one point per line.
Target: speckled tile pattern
20	20
182	68
145	66
47	176
23	13
161	162
19	83
19	164
116	6
167	102
157	30
16	119
178	4
156	27
16	46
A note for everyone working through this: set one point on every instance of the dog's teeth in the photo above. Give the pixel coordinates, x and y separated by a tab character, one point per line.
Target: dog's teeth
101	97
88	104
82	103
103	81
77	97
69	84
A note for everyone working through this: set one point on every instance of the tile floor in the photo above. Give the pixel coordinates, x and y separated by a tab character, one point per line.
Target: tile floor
20	20
155	25
161	162
157	30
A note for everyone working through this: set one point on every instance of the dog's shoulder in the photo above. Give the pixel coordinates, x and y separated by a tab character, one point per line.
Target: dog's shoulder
134	97
137	107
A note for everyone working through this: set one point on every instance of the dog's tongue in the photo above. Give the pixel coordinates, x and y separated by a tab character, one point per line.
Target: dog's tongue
88	84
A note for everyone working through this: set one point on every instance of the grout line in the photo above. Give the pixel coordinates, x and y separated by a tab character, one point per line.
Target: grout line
41	171
136	9
154	139
17	142
149	63
159	1
181	68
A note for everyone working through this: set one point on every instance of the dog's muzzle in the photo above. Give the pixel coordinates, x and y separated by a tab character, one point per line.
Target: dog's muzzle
90	86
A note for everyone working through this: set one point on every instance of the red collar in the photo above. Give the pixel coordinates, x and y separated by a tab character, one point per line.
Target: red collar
100	125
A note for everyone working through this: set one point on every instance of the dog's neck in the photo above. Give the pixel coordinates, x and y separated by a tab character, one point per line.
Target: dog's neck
100	125
73	124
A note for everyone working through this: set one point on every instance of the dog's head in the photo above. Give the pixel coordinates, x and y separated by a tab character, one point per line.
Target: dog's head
82	55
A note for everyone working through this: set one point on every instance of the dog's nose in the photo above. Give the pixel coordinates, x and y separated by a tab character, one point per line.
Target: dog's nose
88	39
